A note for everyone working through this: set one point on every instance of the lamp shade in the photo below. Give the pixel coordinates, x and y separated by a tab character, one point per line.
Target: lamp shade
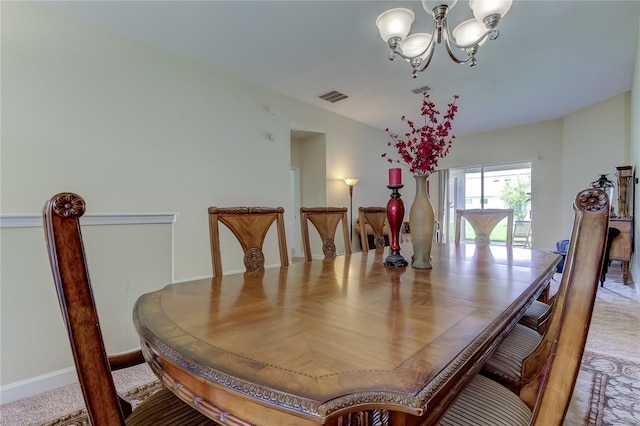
429	5
351	181
469	32
395	23
483	8
416	44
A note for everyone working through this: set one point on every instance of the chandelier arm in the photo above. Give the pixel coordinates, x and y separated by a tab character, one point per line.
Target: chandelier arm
398	52
424	63
421	61
452	55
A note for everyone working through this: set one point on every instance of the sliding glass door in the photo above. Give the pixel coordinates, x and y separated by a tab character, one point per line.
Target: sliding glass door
503	186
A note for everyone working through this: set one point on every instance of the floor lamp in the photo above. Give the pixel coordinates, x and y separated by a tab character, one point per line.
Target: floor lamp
351	182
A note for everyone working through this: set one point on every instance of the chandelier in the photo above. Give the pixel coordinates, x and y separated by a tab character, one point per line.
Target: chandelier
394	26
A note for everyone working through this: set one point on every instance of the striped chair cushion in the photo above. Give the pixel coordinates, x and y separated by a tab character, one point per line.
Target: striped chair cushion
505	364
537	314
486	403
163	408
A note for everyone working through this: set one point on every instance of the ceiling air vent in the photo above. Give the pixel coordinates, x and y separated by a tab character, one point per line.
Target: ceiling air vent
333	96
422	89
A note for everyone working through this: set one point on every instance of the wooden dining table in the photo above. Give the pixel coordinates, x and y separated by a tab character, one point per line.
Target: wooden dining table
312	342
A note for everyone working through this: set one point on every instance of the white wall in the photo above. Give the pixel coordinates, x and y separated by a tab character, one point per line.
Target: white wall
540	143
145	131
567	154
34	339
134	129
595	141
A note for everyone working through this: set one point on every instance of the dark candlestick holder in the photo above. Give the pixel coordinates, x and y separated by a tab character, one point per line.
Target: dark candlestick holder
395	214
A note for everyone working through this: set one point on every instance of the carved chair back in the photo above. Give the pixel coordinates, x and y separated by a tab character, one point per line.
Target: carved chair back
61	217
567	333
61	220
250	226
375	217
325	220
483	222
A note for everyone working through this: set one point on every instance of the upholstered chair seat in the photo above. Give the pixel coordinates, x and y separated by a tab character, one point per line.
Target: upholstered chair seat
156	408
487	403
505	364
537	316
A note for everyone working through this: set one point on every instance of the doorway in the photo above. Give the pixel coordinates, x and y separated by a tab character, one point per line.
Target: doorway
294	215
307	181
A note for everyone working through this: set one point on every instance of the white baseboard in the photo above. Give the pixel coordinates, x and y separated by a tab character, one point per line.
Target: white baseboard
49	381
35	385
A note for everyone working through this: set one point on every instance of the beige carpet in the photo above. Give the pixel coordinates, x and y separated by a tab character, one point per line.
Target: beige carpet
607	392
610	390
65	407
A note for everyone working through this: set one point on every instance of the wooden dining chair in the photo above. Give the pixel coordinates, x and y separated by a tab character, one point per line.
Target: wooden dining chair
537	315
548	393
325	220
250	226
522	233
483	221
375	217
519	357
61	218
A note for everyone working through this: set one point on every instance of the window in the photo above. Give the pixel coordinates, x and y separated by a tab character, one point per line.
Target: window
490	187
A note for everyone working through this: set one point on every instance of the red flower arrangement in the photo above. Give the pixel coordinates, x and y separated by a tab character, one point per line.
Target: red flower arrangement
424	146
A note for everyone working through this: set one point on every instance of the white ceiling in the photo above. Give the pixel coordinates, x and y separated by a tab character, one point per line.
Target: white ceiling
552	57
